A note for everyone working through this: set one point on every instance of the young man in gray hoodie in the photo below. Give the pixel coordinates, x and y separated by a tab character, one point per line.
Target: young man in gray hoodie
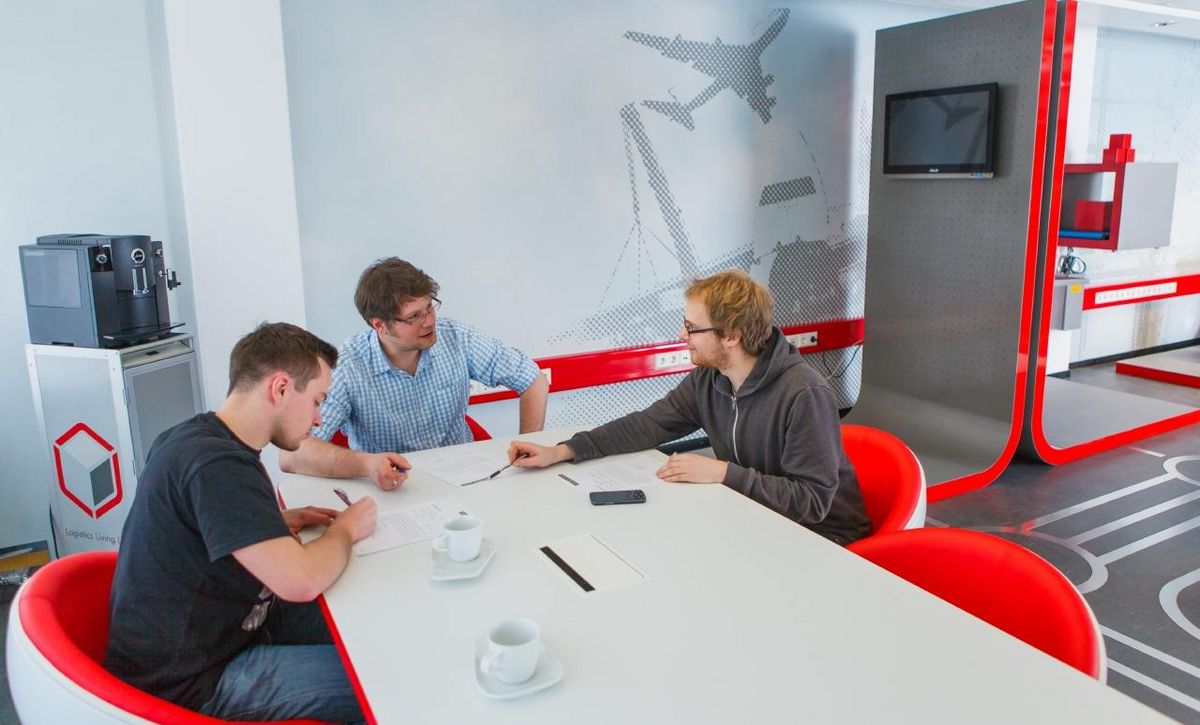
772	420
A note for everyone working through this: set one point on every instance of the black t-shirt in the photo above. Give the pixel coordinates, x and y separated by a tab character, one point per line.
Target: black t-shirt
182	607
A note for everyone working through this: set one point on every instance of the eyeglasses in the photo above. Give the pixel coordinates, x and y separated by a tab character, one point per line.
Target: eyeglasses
419	317
689	330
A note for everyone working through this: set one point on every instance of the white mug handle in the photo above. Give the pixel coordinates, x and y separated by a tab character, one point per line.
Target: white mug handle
439	544
490	661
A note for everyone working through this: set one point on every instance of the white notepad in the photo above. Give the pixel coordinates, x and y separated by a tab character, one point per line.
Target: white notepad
589	564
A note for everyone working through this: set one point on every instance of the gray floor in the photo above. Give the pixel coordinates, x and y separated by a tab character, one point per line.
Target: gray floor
1124	526
1078	412
1106	376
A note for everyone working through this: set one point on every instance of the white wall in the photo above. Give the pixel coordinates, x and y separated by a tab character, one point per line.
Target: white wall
1114	92
80	152
150	117
488	148
172	118
230	109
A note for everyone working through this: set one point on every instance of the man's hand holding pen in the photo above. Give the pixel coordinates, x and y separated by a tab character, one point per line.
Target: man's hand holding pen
387	470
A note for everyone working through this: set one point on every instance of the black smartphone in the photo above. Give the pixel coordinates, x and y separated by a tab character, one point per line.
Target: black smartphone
605	498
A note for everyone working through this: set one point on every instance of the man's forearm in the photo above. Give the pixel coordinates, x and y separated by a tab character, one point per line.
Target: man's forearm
328	556
296	572
317	457
533	405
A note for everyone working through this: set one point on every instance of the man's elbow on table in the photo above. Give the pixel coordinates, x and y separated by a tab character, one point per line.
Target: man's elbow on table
288	461
302	460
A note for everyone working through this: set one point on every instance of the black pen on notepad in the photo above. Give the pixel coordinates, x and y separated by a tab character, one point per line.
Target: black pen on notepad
342	495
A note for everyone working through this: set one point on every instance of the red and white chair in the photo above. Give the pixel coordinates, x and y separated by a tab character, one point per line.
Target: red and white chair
57	634
890	477
1000	582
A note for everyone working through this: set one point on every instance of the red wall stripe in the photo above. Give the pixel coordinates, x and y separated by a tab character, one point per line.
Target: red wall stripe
1184	285
604	367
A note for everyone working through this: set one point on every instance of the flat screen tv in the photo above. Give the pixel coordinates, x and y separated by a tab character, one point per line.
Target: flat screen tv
941	132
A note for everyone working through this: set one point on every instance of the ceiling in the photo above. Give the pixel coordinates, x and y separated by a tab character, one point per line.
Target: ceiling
1181	17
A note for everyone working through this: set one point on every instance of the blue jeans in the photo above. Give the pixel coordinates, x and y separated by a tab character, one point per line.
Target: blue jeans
295	672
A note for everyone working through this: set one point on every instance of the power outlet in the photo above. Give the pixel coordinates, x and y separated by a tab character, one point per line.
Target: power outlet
803	339
674	359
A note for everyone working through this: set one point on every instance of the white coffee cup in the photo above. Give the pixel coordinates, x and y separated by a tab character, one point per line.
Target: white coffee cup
461	537
513	649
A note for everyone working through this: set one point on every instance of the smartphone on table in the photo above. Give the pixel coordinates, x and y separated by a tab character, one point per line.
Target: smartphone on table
606	498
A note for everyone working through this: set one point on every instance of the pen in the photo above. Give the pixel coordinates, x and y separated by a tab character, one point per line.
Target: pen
342	495
498	471
506	466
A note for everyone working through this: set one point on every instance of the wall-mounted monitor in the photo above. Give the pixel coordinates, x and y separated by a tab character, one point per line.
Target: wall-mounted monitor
945	132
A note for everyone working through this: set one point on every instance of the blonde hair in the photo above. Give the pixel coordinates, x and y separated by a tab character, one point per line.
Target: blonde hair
736	304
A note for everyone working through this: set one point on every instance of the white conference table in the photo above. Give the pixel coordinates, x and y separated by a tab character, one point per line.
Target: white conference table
744	617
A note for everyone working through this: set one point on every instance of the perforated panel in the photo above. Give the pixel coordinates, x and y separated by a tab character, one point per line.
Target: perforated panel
947	257
592	406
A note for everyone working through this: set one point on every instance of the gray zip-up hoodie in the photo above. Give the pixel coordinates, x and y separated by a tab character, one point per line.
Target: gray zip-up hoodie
780	434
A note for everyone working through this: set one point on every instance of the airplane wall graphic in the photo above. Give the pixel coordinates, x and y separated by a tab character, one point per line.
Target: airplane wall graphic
807	276
730	65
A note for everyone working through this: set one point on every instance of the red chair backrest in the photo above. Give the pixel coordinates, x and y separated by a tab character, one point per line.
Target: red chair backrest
64	612
66	605
477	432
998	581
889	476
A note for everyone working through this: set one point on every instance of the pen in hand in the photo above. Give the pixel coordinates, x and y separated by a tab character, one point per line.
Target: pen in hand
497	472
506	466
342	495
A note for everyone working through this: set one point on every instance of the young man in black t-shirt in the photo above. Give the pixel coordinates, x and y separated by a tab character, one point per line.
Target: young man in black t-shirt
212	599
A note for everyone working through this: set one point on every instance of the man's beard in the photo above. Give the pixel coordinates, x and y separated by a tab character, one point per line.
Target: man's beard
717	360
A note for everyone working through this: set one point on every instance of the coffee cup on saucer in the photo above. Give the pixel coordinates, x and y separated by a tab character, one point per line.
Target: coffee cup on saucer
513	648
461	538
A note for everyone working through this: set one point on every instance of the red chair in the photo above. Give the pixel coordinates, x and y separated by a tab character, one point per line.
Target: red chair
1000	582
890	477
57	634
477	432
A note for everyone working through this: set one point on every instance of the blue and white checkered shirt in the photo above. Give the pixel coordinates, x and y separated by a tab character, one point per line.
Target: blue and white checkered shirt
381	408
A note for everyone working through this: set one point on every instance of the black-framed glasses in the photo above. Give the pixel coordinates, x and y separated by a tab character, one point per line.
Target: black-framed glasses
689	330
419	317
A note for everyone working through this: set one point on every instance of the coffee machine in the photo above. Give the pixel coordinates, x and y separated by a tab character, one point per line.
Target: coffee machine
96	290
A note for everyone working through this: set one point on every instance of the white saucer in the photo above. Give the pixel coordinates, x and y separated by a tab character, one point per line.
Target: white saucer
549	671
447	569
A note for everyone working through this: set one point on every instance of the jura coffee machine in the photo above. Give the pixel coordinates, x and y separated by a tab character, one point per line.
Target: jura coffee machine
96	290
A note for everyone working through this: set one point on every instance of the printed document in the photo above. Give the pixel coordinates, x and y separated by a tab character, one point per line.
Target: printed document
462	466
408	525
636	471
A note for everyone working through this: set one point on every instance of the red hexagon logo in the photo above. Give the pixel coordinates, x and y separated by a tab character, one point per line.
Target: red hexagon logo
88	470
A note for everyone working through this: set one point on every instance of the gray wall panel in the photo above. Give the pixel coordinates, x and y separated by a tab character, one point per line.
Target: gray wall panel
946	258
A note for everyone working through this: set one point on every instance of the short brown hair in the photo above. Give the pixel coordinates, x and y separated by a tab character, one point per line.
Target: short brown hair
278	346
388	284
736	304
